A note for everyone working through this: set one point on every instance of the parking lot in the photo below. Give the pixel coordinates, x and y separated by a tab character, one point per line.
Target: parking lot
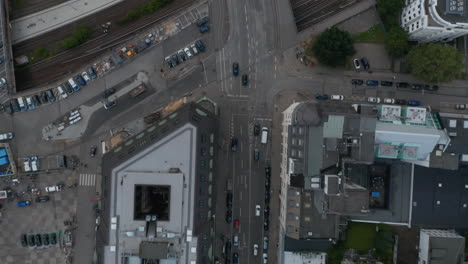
53	216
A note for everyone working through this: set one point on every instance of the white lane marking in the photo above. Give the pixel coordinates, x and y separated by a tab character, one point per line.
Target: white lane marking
87	179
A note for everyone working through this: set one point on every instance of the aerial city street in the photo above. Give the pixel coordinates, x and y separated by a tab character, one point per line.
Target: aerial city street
221	131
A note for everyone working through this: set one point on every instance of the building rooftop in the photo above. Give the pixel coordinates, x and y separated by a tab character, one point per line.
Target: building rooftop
440	198
443	246
453	11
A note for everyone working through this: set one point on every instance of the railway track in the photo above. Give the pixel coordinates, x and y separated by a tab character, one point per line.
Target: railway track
50	71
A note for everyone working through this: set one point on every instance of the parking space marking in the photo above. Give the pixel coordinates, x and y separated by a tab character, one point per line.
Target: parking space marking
87	179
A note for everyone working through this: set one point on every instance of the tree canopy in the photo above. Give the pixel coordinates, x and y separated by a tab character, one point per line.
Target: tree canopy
333	46
390	11
435	62
396	42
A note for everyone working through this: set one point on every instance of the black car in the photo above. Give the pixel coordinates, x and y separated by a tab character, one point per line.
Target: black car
42	199
53	238
45	239
202	21
31	241
235	68
357	82
234	144
428	87
24	240
401	101
268	171
266	211
80	80
51	96
365	63
92	151
44	98
68	88
416	86
182	55
200	45
229	200
38	240
386	83
36	100
8	108
266	225
256	154
228	216
402	85
321	96
16	107
256	129
108	92
245	80
235	258
267	197
227	249
175	59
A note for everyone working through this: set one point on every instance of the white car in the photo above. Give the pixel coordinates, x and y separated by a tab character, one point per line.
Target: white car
265	258
373	100
461	106
337	97
356	64
257	210
27	167
189	54
85	76
194	49
255	249
6	136
2	82
389	101
55	188
62	92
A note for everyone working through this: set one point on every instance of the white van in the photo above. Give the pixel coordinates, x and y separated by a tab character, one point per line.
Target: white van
62	92
236	240
73	84
264	135
22	103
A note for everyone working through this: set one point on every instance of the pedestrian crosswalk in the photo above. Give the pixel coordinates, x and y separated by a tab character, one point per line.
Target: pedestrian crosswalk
87	179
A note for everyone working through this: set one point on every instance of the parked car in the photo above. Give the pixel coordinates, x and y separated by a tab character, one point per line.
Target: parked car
372	83
265	258
228	216
375	100
245	79
169	62
8	108
414	103
45	239
258	209
365	63
188	53
194	49
416	86
204	29
2	82
43	97
401	102
92	151
15	105
73	84
235	258
229	200
234	144
108	92
386	83
36	100
235	68
24	240
431	88
322	96
30	104
337	97
235	240
389	100
38	240
357	82
6	136
42	199
53	238
62	92
92	73
256	130
200	45
256	154
31	241
356	64
81	81
461	106
85	76
23	203
265	242
266	225
51	96
54	188
255	249
109	105
175	59
202	21
402	85
236	224
182	55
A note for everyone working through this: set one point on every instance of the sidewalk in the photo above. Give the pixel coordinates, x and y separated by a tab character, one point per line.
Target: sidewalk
36	24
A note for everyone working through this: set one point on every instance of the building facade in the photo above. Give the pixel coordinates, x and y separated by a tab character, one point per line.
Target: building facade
434	20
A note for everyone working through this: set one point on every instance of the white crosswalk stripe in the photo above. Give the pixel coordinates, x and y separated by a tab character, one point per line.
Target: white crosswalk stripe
87	179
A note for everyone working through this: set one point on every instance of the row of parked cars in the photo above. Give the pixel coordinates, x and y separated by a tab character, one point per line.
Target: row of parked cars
404	85
370	99
184	54
48	96
203	24
39	240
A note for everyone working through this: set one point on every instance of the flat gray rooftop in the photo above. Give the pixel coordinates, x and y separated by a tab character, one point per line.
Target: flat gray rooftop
461	17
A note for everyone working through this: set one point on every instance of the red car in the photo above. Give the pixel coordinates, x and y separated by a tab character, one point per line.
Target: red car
236	224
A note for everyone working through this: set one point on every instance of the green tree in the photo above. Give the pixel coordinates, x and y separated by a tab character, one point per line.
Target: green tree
79	36
396	42
390	11
332	47
435	62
